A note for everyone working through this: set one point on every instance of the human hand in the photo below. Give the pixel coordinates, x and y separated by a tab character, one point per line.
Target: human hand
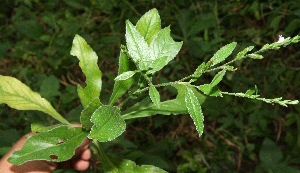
79	162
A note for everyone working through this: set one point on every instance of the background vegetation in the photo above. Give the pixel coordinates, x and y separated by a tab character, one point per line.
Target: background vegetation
240	135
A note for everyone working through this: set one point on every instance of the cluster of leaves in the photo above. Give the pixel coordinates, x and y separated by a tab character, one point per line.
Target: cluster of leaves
150	48
203	29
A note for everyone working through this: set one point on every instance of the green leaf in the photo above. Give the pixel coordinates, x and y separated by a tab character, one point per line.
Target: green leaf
51	83
56	145
146	108
244	52
223	53
116	165
211	89
108	124
154	95
218	77
164	46
19	96
205	88
124	76
138	48
198	71
86	114
194	109
88	63
149	25
126	166
36	127
158	64
270	154
121	87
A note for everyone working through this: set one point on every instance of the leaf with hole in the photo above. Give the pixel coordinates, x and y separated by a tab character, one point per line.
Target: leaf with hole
57	144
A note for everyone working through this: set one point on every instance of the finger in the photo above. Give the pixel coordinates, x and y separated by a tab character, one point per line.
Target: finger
86	155
81	165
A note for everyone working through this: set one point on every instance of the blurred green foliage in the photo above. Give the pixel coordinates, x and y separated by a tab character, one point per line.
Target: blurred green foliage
240	135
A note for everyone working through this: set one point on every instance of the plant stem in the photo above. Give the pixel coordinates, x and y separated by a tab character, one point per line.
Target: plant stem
106	163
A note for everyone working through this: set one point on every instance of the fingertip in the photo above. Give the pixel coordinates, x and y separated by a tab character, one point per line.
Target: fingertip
86	155
81	165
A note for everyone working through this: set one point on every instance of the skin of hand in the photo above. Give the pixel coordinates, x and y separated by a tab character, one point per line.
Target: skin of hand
79	162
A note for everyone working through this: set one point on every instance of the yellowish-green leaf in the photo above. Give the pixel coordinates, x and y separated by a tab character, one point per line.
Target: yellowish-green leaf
19	96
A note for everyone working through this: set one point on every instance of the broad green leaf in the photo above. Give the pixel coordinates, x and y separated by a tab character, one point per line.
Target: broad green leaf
56	145
19	96
121	87
194	109
138	48
244	52
218	77
86	114
163	45
146	108
88	63
154	95
124	76
108	124
149	25
223	53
